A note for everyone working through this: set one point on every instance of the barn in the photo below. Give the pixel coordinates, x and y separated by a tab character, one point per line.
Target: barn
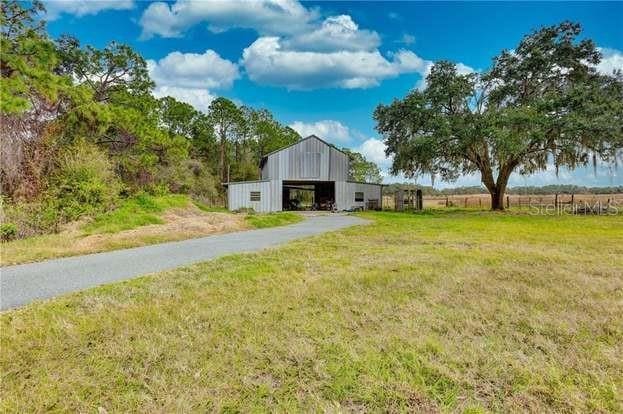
310	174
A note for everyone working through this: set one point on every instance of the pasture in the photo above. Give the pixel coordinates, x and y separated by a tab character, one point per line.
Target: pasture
451	310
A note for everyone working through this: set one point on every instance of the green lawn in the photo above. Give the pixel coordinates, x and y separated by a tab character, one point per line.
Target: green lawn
261	221
445	311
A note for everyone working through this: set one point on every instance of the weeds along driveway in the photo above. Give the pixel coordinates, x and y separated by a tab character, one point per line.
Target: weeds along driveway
22	284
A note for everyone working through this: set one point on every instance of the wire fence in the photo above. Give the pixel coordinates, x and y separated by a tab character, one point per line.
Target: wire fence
483	201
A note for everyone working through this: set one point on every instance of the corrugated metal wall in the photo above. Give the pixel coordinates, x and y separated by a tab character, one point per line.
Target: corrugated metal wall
309	159
239	196
345	194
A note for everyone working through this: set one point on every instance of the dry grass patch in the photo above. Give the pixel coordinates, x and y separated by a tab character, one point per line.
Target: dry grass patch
177	224
459	312
138	221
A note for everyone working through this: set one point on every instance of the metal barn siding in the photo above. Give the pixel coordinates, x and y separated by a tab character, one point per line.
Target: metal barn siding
345	194
239	196
309	159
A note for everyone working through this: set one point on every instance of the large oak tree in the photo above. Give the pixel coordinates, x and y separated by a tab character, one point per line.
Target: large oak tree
543	103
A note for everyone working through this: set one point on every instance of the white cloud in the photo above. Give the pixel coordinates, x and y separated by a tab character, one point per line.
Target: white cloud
264	16
266	62
373	149
333	131
189	77
193	70
82	8
612	60
406	39
198	98
335	33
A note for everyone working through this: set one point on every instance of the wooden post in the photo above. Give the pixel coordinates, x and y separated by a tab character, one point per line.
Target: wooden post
480	202
556	200
465	202
508	201
446	201
419	200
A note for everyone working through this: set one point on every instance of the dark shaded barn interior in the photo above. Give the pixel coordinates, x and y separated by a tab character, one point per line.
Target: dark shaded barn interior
308	195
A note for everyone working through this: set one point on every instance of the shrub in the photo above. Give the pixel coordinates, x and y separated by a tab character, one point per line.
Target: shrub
8	231
84	183
188	177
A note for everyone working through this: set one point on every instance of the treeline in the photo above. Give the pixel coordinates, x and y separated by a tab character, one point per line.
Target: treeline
532	190
81	128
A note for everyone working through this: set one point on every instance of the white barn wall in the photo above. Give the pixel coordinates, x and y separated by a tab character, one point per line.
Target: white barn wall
239	196
345	194
310	159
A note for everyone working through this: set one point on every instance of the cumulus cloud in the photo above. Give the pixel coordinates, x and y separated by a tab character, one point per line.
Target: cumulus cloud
335	33
189	77
373	149
82	8
267	62
200	99
333	131
193	70
611	61
264	16
296	49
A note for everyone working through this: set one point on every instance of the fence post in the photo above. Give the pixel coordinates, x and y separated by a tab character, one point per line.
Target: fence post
556	200
508	201
446	201
465	202
419	199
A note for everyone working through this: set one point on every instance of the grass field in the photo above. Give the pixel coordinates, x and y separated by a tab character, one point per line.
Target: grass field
439	311
138	221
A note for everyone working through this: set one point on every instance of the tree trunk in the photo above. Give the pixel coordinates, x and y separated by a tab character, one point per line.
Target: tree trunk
497	200
499	189
222	160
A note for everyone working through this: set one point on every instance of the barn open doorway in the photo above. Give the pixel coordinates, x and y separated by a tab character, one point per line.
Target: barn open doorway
308	195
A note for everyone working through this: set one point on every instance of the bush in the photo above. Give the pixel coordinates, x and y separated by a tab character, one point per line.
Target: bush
188	177
84	183
8	231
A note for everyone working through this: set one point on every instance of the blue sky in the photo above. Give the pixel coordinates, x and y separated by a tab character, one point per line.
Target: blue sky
322	67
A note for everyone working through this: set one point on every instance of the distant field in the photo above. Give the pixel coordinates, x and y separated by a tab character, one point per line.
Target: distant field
445	310
516	201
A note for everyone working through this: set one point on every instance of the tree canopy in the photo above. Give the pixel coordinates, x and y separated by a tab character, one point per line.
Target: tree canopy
361	169
542	103
81	127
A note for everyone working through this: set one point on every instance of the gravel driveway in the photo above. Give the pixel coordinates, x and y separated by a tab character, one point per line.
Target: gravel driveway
22	284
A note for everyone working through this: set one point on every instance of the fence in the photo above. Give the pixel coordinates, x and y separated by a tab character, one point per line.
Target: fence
483	201
214	202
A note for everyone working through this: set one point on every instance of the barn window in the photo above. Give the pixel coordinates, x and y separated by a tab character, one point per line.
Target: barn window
358	195
256	196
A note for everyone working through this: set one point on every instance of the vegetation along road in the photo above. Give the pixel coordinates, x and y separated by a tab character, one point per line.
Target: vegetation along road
22	284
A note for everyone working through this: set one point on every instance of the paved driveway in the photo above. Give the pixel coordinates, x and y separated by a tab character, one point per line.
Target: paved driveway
22	284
